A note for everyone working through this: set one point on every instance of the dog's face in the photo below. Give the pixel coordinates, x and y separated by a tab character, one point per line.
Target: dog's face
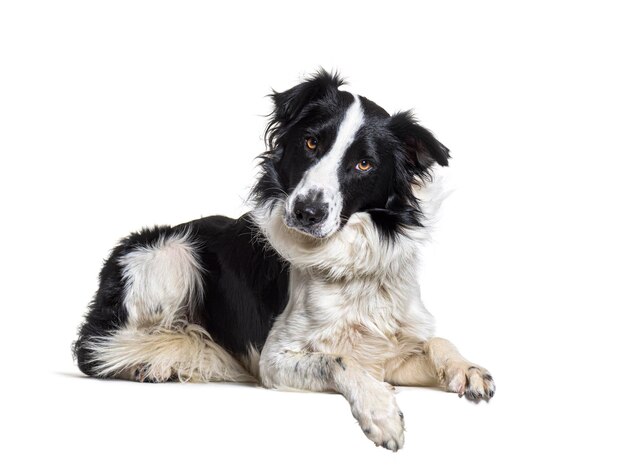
333	153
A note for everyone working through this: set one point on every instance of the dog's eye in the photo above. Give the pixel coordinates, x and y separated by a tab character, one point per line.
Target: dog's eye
311	143
364	165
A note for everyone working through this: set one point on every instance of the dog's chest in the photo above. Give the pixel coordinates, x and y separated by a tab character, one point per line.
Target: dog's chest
360	317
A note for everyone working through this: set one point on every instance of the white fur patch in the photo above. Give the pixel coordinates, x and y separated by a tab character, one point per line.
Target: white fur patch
163	281
324	175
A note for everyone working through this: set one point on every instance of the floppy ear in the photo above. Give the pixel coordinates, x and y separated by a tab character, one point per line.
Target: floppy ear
289	104
420	145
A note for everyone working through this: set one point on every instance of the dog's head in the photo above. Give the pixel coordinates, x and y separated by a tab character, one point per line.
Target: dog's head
332	154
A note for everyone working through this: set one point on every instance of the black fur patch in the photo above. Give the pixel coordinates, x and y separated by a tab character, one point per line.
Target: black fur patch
339	361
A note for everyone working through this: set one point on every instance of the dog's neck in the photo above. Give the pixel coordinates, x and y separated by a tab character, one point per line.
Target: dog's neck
356	251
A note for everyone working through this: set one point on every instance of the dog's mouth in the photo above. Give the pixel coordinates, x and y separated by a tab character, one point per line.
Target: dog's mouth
316	230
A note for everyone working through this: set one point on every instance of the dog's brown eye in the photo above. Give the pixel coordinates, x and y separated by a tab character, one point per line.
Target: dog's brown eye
311	143
364	165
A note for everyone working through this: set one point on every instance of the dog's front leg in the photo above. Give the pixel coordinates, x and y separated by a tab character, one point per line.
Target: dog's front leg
439	363
372	401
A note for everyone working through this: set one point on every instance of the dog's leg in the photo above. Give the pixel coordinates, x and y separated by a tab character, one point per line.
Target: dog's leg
141	324
372	401
439	363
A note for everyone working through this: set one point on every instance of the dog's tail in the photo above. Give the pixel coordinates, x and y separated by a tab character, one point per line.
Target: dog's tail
183	352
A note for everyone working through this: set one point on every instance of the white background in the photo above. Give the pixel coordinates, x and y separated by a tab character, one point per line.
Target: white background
120	114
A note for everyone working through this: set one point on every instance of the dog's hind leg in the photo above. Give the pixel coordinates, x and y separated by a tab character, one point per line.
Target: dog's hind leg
141	324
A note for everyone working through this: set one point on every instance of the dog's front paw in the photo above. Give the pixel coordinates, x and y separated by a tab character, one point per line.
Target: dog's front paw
473	382
380	417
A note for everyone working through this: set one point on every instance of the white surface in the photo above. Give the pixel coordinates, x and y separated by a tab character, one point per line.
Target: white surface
119	114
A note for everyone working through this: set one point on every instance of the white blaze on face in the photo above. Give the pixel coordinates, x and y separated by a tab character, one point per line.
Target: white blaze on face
324	175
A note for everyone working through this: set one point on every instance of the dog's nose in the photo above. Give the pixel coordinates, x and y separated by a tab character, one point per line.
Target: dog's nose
309	213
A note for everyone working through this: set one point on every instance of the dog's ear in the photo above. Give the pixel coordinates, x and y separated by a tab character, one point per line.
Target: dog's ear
289	104
420	145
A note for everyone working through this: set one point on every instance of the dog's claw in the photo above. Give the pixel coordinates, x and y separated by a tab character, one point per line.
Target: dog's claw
473	382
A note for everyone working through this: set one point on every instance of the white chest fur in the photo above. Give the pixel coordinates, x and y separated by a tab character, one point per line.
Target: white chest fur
373	320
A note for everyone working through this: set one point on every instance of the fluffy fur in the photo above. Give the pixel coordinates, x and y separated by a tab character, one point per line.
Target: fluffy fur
316	289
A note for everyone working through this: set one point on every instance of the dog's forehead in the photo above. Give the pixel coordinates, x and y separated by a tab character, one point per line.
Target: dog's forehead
329	114
372	128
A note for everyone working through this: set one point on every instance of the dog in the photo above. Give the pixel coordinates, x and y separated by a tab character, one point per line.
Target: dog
315	289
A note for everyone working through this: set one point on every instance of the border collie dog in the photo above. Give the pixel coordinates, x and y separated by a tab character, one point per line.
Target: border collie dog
315	289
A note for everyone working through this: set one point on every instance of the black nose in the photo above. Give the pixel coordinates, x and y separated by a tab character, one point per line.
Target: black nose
309	212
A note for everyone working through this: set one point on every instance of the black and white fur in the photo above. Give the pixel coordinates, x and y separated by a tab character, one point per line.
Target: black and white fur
315	289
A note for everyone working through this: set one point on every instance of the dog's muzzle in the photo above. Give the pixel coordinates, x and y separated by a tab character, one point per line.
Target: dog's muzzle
308	215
